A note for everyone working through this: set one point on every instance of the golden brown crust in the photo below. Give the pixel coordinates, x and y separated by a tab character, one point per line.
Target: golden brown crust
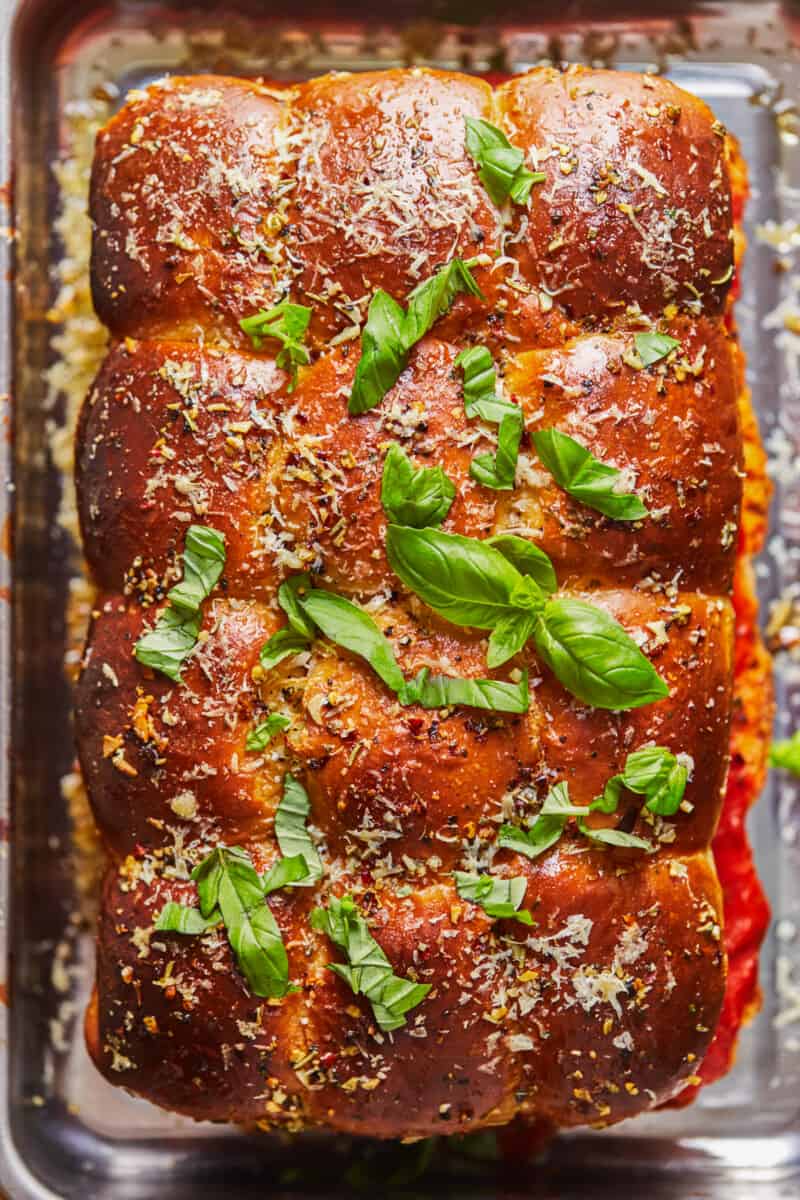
607	1004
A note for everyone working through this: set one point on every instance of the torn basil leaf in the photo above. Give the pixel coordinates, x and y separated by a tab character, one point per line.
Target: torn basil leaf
595	659
414	496
653	772
226	880
181	918
283	644
480	376
652	347
349	626
291	594
614	837
443	691
432	298
390	332
546	829
203	563
368	971
585	477
786	754
285	323
502	169
498	470
293	837
287	872
168	644
551	821
383	353
499	898
260	737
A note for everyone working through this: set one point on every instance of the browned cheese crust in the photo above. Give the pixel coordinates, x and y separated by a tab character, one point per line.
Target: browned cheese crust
211	198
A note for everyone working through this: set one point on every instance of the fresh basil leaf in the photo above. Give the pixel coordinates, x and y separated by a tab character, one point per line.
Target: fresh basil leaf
415	496
655	772
281	645
608	802
592	655
291	594
203	563
169	643
614	837
286	323
558	803
502	169
349	626
286	872
390	333
228	880
432	298
260	737
442	691
499	898
181	918
786	754
585	477
498	470
480	376
527	558
652	347
546	829
384	353
368	971
290	828
509	636
461	578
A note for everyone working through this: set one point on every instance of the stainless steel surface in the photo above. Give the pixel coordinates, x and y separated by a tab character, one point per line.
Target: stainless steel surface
63	1131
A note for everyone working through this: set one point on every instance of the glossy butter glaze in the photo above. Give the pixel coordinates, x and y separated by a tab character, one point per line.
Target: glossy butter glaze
213	197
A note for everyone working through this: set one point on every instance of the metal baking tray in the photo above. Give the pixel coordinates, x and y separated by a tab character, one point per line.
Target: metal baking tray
65	1132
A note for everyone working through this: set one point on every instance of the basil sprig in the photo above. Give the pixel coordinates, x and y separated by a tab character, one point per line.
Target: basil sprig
652	347
290	829
499	898
550	823
173	637
285	323
471	583
786	754
230	891
416	496
498	470
585	477
368	971
502	169
390	332
260	737
349	626
653	772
